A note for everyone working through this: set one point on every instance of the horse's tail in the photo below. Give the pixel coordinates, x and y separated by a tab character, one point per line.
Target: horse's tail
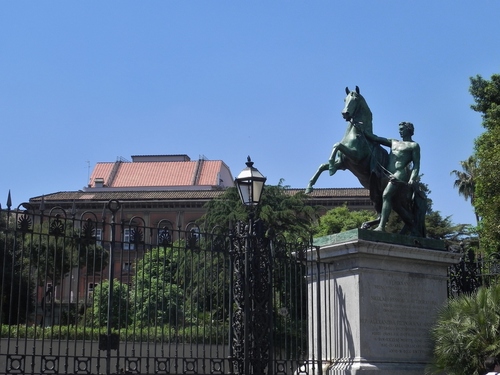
419	201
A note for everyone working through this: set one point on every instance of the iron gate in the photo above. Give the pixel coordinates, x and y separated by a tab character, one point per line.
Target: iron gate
82	294
473	272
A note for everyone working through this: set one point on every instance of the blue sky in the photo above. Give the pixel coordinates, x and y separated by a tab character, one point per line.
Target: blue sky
83	82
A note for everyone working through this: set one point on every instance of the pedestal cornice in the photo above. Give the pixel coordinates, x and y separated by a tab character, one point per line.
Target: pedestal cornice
378	244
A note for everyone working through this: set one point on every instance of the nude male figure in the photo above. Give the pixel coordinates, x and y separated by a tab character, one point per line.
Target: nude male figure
403	166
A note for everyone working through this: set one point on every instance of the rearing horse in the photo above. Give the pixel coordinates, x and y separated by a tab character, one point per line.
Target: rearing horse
355	152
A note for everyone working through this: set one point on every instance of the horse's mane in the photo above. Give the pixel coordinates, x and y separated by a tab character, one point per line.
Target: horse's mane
368	112
364	114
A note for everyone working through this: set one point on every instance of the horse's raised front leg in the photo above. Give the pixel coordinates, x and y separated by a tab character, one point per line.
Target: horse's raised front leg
333	165
321	169
334	162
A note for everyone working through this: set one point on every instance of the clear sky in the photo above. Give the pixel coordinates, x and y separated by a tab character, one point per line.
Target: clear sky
83	82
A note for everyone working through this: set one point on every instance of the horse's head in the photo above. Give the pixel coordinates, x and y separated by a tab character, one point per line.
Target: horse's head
352	102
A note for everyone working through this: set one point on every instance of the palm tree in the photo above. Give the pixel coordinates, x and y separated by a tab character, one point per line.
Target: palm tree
466	332
466	180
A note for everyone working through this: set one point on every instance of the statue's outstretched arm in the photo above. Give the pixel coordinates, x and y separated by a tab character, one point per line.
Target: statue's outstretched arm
374	138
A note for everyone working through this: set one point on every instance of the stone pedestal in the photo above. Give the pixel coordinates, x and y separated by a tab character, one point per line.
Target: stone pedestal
378	299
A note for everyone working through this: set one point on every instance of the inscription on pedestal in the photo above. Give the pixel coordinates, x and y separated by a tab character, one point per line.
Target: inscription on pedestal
400	312
386	295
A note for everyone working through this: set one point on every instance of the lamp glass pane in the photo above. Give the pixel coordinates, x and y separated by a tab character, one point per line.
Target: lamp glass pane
245	190
257	191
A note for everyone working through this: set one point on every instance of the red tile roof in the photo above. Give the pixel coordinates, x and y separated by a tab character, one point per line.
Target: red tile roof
209	172
330	197
158	173
101	170
328	193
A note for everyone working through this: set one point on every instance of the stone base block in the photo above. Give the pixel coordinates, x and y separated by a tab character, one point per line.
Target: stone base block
384	296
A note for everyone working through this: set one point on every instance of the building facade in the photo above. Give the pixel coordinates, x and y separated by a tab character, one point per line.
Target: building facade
167	192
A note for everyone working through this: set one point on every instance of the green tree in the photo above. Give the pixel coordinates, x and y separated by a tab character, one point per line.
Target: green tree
157	297
441	228
486	94
465	181
466	332
223	211
53	253
285	217
282	212
209	284
437	226
91	254
289	214
16	285
56	247
119	314
341	219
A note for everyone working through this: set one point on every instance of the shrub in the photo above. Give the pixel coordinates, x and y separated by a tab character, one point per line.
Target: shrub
467	331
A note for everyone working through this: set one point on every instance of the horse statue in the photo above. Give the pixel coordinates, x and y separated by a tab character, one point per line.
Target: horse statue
356	153
367	160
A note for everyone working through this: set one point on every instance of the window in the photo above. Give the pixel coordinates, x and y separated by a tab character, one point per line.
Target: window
164	237
90	290
193	237
127	267
127	236
98	236
49	289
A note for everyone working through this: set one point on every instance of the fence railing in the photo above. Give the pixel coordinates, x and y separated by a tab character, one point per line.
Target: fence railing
86	294
473	272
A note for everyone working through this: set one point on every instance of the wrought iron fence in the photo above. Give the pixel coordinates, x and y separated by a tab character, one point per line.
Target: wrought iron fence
86	294
473	272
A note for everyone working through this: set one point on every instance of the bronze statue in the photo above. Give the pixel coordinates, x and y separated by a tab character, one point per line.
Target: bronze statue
402	171
386	176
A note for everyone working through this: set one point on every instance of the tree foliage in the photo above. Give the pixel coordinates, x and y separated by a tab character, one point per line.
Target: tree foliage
486	94
16	285
53	255
437	226
223	210
281	211
119	313
157	297
465	180
209	283
467	331
283	214
441	228
341	219
58	248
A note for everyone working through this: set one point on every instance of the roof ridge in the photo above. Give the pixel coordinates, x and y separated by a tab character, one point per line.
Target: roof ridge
113	172
197	170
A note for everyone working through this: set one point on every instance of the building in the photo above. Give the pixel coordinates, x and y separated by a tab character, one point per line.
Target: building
172	187
156	191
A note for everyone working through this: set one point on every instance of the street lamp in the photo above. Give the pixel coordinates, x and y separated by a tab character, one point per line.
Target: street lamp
250	183
252	283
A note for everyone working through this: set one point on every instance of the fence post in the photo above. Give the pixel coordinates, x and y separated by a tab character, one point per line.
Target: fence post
252	296
318	311
111	342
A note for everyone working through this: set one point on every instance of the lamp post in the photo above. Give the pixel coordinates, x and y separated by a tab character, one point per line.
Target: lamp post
250	184
252	324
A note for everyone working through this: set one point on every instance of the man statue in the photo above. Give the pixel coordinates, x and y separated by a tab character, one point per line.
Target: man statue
402	171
